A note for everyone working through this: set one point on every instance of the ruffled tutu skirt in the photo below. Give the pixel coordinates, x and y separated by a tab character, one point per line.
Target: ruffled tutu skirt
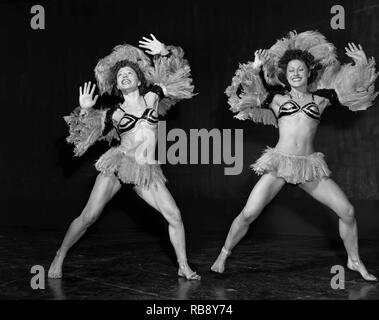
128	170
292	168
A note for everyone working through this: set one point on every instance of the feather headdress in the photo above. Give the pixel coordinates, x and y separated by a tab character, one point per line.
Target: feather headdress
313	42
103	68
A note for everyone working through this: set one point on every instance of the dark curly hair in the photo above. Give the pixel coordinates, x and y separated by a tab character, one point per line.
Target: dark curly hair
296	54
142	88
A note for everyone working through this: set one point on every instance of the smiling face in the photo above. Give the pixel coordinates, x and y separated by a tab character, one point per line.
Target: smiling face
297	73
127	79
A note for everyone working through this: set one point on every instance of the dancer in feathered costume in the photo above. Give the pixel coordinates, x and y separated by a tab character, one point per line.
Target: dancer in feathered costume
300	78
148	89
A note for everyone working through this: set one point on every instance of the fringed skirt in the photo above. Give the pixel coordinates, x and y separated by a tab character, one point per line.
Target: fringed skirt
292	168
128	170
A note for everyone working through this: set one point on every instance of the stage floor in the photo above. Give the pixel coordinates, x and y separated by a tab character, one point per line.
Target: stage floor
140	265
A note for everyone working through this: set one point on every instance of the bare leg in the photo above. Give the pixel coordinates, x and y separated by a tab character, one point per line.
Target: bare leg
329	193
160	198
263	192
104	189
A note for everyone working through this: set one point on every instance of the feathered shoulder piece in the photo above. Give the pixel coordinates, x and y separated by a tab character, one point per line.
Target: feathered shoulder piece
85	130
354	84
248	97
173	73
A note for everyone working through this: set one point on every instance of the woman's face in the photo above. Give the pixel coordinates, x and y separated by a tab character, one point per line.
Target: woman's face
127	79
297	73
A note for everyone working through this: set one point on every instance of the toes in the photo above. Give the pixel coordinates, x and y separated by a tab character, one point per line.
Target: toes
194	276
371	277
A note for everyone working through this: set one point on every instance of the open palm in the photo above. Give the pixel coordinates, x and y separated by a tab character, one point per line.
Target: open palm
261	56
153	46
86	99
356	53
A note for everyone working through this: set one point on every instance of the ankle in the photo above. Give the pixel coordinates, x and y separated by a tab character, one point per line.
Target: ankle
225	252
60	253
183	264
354	260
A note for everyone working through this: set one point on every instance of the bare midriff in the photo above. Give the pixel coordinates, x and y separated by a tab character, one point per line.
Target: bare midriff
296	134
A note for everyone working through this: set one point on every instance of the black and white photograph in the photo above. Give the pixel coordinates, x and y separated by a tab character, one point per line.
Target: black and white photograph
187	156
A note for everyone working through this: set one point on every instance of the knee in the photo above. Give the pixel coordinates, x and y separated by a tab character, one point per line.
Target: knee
87	220
89	215
347	214
249	214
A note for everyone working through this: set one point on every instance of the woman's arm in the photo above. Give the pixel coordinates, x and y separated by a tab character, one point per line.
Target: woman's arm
247	95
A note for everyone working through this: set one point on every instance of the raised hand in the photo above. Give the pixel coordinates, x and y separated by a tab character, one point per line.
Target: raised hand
86	99
261	56
356	53
153	46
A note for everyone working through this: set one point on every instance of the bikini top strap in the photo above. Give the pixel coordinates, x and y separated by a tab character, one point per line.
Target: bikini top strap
145	102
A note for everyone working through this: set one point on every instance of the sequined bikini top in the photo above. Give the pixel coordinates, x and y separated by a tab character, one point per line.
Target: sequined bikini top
291	107
129	121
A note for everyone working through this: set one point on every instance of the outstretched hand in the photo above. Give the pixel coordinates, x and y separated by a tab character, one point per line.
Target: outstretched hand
261	56
86	99
356	53
153	46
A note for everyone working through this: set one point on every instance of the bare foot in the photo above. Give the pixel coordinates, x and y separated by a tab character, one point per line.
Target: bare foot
55	270
359	267
219	265
186	272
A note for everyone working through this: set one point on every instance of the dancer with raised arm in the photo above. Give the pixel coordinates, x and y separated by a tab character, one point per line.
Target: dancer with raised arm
147	89
307	78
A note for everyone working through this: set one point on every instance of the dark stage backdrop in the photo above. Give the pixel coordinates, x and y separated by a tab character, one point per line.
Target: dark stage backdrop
42	184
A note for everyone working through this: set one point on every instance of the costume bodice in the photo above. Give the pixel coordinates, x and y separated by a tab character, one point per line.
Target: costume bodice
291	107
